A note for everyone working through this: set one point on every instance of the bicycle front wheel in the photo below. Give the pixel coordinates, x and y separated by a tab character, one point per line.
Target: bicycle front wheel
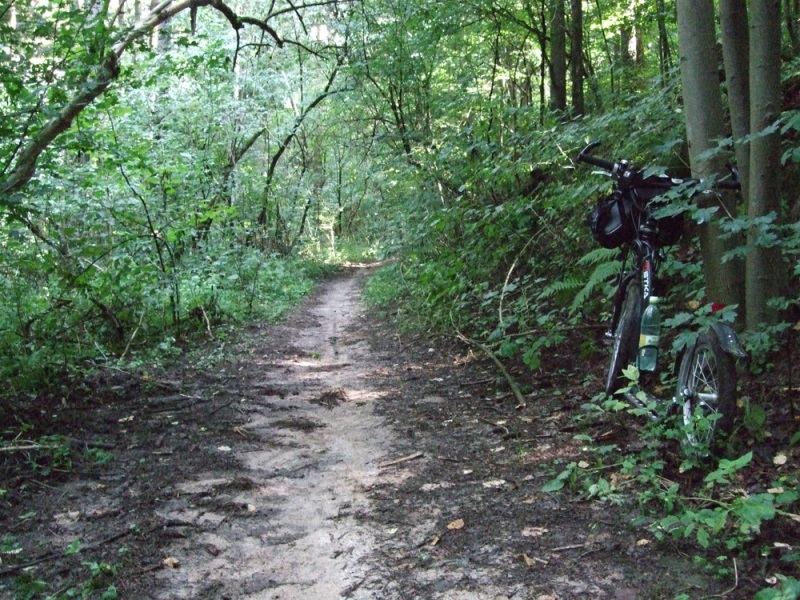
706	391
626	338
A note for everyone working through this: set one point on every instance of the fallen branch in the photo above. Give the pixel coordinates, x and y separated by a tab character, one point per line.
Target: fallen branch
26	447
485	349
401	460
572	547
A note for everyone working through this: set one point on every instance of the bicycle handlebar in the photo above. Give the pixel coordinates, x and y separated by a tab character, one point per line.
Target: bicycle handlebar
620	170
586	156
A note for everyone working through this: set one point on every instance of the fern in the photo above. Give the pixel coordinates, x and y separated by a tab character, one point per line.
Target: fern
601	274
599	255
562	285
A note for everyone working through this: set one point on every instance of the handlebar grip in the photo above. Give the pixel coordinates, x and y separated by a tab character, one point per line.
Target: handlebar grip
586	156
728	185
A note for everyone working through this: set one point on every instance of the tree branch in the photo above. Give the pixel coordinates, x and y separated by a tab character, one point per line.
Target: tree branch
99	80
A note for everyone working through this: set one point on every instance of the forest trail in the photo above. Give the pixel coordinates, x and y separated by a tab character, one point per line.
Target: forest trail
300	489
329	457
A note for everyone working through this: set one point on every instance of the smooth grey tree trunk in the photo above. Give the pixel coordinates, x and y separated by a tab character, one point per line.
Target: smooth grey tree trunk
704	126
764	264
736	54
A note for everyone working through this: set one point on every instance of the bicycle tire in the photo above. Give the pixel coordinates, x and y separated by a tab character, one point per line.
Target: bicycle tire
626	338
706	386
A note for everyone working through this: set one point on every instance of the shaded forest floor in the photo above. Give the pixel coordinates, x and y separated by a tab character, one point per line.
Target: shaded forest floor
326	457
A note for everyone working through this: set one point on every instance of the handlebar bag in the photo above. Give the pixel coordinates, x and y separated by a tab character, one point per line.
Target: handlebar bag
668	229
611	222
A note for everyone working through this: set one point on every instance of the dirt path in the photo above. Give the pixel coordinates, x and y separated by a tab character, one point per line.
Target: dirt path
268	466
300	489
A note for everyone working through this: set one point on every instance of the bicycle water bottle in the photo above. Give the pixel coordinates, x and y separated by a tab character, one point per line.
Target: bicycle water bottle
649	336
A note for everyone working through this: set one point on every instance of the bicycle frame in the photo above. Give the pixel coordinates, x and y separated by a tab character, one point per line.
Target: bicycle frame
706	383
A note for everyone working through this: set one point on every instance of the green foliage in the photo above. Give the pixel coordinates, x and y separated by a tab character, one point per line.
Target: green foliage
713	517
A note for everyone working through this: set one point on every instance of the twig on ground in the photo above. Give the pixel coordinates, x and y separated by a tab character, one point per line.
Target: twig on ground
400	460
572	547
735	583
485	349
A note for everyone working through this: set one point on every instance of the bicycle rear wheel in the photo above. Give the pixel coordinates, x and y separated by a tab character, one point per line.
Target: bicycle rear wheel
706	391
626	338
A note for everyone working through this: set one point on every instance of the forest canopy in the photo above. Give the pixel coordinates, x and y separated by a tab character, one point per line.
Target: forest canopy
169	168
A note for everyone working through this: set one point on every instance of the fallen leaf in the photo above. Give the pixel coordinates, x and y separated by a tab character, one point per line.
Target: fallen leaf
531	562
534	531
435	540
457	524
494	483
172	562
780	459
792	516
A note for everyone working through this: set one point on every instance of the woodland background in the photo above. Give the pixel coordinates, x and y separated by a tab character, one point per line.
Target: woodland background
171	170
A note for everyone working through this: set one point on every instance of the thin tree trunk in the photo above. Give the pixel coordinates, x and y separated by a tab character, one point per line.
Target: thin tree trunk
736	50
576	58
790	16
664	52
736	54
558	57
704	124
765	270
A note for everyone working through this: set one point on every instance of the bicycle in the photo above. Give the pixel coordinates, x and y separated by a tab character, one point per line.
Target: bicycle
705	392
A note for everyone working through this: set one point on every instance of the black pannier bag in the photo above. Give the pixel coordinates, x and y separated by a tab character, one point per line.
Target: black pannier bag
668	229
611	221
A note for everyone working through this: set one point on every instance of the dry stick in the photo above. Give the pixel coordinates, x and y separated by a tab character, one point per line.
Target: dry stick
28	447
573	547
56	555
130	341
511	383
735	583
208	323
508	276
401	460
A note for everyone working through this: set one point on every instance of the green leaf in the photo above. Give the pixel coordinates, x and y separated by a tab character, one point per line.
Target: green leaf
73	548
703	537
532	358
553	485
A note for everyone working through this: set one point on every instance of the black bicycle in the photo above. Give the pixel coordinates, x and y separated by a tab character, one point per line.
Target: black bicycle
705	392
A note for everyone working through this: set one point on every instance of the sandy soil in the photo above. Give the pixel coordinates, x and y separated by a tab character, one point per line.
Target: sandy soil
327	457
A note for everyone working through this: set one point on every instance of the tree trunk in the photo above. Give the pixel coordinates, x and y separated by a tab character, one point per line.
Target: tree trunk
576	58
736	54
790	15
558	57
704	124
664	52
764	264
